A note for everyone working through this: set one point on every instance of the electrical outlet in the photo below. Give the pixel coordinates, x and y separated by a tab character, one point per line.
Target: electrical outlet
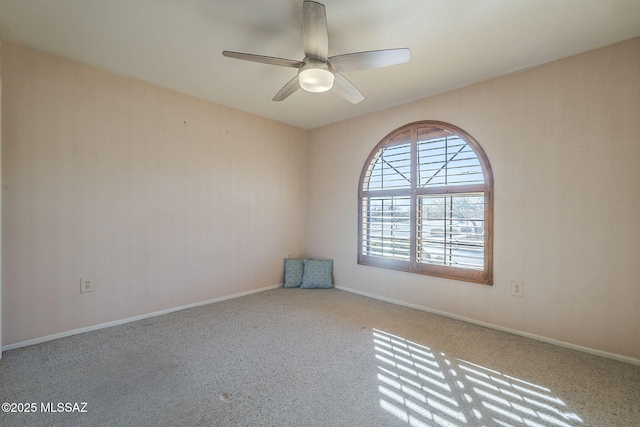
517	289
86	285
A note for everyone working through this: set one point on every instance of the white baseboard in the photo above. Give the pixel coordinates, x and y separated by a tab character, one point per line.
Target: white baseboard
595	352
131	319
600	353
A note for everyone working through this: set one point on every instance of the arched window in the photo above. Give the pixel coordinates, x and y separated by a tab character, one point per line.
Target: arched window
426	204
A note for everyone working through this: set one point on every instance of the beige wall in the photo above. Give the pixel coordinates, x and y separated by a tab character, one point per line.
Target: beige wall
165	200
564	143
162	199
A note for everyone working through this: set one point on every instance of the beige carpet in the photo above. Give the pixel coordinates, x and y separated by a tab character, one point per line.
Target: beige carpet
292	357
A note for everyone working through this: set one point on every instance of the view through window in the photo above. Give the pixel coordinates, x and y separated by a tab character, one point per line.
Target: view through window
425	204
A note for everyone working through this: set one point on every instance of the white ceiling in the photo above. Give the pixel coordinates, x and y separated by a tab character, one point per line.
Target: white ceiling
178	43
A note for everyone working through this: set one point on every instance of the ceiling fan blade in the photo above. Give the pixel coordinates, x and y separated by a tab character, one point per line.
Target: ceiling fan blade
346	89
315	35
272	60
371	59
287	90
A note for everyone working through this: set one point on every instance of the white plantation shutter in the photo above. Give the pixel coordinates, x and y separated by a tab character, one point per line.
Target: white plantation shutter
425	204
447	160
451	230
388	225
391	168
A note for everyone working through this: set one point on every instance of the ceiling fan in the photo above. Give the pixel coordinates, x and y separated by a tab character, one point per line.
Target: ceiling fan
318	72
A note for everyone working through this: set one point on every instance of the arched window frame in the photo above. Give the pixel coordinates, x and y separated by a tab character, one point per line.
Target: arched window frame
408	134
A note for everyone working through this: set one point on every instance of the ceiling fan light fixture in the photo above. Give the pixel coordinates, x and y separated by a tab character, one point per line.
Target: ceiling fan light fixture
316	79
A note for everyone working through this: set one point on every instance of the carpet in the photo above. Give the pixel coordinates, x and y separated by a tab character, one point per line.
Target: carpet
294	357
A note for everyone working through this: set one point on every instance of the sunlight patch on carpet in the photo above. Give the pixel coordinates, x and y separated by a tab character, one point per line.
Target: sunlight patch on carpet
424	388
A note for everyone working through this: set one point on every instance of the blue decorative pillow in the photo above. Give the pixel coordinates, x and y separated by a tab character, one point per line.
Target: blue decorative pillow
318	273
293	272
